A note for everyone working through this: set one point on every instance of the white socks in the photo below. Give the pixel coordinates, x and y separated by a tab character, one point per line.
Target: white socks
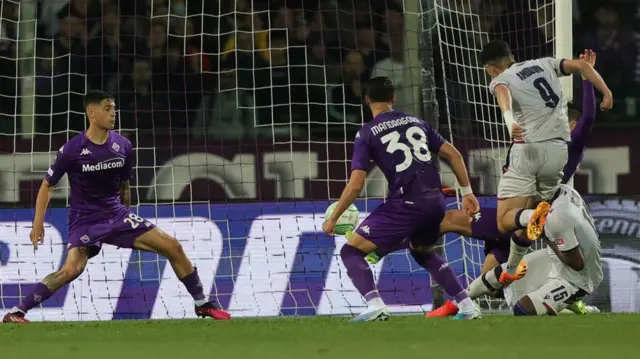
201	302
524	218
479	286
516	253
466	305
16	310
376	303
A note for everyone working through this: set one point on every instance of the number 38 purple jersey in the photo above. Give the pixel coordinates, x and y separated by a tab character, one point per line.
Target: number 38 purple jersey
402	147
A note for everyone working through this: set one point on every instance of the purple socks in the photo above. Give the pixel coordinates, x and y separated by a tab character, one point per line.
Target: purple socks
194	285
521	241
39	294
442	273
359	271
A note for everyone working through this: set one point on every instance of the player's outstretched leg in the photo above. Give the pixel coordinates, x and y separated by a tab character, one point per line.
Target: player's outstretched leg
156	241
444	275
353	255
489	282
514	215
515	268
515	194
74	265
534	221
457	221
477	288
482	226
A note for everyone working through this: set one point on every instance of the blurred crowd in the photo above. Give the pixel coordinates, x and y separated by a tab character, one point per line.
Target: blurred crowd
233	69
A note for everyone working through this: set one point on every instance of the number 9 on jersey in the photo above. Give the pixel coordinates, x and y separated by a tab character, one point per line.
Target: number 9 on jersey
348	221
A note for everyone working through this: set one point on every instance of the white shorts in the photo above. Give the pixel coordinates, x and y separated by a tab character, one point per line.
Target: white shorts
545	290
539	265
555	295
533	170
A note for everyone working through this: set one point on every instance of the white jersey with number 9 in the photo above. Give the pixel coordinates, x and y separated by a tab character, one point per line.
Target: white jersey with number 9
538	103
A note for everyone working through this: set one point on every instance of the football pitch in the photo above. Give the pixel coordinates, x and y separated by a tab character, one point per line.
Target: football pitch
565	336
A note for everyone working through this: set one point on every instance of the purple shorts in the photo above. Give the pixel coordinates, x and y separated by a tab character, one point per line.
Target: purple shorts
120	231
485	228
398	222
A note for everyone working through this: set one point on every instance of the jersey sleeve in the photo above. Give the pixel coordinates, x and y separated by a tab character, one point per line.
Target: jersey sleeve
556	64
558	230
361	158
584	125
127	169
434	140
499	80
58	167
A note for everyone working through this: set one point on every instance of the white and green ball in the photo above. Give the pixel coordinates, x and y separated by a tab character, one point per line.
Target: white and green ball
348	221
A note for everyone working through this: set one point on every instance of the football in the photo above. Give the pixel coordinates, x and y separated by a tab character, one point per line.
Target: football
347	222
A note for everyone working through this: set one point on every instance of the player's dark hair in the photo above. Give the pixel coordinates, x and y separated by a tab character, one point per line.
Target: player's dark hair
495	51
380	89
95	97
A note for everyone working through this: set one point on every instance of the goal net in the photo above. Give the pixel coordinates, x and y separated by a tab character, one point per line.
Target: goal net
473	118
242	115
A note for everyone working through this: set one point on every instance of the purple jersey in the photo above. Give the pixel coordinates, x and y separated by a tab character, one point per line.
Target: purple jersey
581	132
401	146
95	172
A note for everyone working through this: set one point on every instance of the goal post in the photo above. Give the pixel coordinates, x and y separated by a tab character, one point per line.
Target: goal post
413	25
564	40
533	28
26	59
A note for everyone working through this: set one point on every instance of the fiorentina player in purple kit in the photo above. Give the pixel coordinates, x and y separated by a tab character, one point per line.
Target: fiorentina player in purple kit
401	146
98	163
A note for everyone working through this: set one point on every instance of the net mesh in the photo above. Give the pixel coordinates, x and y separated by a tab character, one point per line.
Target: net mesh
472	116
242	115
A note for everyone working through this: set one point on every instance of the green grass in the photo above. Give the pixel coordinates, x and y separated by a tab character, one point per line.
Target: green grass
600	336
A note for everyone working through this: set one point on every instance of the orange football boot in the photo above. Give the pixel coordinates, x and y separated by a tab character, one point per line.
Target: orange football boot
447	309
506	278
535	228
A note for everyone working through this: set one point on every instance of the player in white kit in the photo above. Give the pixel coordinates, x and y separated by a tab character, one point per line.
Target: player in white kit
573	249
530	96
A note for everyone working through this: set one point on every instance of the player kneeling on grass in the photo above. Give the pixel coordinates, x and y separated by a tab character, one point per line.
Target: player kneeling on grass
574	252
402	146
98	163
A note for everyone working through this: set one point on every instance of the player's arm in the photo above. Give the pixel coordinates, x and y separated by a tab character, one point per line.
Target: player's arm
585	123
125	177
588	117
125	193
505	102
451	154
42	202
590	74
561	238
360	163
572	257
446	151
350	192
55	172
